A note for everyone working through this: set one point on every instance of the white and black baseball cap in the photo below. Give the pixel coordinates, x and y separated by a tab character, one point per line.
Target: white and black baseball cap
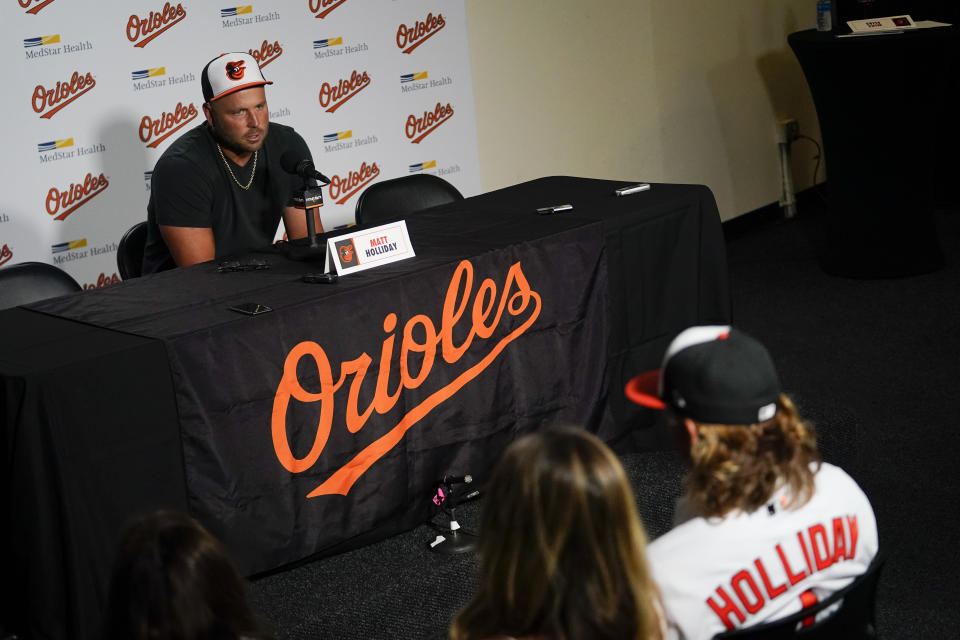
712	374
230	72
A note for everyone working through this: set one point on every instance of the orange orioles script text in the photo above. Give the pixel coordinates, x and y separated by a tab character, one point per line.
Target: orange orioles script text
64	93
481	313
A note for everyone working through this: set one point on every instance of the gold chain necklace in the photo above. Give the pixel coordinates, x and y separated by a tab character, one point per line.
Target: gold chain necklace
252	173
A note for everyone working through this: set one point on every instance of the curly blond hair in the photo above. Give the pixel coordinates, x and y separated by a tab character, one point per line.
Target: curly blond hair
741	466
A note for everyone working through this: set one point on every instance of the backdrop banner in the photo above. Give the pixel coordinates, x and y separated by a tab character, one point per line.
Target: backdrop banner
94	95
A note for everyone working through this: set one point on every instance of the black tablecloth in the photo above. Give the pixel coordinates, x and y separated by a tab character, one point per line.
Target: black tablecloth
299	431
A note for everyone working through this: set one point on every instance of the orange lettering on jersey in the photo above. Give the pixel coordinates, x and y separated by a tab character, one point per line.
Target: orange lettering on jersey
852	547
806	554
772	591
820	546
794	578
839	541
743	577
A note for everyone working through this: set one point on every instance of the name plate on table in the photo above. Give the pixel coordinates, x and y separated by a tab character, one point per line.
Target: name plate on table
879	25
369	248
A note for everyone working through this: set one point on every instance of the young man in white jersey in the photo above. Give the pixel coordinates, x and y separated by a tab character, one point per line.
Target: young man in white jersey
764	528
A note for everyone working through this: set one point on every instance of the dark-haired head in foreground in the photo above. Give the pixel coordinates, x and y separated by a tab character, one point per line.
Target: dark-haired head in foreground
172	580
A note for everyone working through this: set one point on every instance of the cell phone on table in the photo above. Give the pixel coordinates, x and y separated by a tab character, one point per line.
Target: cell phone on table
557	208
250	308
319	278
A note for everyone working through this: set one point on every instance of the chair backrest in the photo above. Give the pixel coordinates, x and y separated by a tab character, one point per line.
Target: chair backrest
130	251
27	282
392	199
854	620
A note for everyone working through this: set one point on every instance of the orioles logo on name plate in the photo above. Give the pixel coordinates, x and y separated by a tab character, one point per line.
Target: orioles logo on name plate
347	253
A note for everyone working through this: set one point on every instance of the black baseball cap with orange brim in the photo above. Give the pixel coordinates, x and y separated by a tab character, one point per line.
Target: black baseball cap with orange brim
713	374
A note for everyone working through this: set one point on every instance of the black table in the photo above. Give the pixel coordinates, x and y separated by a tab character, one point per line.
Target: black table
153	393
884	103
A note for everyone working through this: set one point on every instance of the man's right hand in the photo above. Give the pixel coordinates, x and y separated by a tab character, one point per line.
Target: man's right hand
189	245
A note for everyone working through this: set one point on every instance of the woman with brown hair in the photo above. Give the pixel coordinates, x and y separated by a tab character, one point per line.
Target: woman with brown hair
561	548
172	580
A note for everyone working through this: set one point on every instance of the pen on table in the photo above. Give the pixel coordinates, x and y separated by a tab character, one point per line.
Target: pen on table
634	188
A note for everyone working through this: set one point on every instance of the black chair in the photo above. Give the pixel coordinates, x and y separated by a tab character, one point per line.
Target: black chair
854	620
394	199
27	282
130	251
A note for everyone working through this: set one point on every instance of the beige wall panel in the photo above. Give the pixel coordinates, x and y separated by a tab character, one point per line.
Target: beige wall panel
658	90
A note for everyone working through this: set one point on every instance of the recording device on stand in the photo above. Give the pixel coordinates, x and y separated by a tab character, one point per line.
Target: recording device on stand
453	539
309	197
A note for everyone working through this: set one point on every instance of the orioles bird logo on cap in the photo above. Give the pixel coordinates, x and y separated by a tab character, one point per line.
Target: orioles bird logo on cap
235	70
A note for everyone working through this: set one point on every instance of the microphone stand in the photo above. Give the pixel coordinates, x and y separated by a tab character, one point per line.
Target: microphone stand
310	197
454	540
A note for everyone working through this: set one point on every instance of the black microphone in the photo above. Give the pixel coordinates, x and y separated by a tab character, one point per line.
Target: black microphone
304	168
452	480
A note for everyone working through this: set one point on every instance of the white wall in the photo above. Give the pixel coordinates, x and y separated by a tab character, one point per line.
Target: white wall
683	91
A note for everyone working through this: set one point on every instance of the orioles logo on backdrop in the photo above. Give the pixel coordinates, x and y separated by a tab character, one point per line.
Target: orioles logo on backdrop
37	5
103	280
344	188
6	254
332	97
477	315
322	8
47	102
154	131
141	31
61	204
267	53
411	37
419	128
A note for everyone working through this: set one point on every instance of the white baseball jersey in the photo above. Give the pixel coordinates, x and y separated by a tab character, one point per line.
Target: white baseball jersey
725	573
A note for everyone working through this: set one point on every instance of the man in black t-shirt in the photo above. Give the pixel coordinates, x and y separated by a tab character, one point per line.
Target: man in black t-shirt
219	189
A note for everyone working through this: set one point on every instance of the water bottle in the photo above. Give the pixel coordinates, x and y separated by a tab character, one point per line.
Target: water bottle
824	16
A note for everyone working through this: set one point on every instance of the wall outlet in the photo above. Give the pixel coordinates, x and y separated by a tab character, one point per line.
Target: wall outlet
787	130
